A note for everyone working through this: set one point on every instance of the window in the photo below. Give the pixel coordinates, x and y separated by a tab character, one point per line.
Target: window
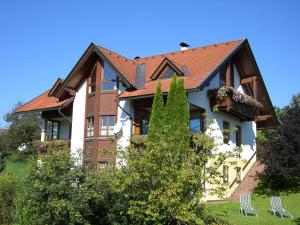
102	165
92	82
238	174
169	73
144	125
238	136
52	128
90	127
107	125
225	174
109	80
227	76
222	77
121	86
196	122
226	132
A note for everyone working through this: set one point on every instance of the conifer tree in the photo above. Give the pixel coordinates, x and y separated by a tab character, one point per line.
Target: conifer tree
171	113
157	118
182	119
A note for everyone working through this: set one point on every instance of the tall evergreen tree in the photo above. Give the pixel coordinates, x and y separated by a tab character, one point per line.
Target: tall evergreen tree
171	113
157	118
182	119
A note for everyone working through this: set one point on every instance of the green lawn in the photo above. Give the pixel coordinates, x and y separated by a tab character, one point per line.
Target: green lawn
230	211
17	168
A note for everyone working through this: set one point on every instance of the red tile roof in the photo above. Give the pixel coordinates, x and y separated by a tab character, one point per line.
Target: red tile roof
200	63
123	65
41	102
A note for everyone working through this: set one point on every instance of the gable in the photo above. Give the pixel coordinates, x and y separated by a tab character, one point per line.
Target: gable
124	68
167	69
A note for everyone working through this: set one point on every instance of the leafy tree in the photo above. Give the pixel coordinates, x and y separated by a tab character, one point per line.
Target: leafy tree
23	128
283	145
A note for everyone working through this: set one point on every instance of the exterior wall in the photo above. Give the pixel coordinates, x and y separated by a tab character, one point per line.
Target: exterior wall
64	130
215	126
215	120
78	119
123	128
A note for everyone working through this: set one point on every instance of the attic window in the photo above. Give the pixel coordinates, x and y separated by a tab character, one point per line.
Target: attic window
169	73
92	82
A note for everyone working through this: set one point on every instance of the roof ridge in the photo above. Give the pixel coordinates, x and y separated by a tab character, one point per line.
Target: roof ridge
190	49
98	46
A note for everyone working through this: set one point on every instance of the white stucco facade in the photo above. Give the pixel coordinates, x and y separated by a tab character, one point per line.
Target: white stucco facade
78	119
215	120
123	128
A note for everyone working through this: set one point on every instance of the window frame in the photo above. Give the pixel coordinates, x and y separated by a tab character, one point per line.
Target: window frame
90	130
201	118
238	136
94	84
238	174
51	137
225	174
226	132
108	126
113	81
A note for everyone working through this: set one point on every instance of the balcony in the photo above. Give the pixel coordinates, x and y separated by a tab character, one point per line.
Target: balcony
229	100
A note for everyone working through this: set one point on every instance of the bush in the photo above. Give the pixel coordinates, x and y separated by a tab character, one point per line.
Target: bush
8	187
51	193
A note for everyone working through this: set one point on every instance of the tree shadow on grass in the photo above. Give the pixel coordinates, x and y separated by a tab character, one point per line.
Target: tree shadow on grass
297	220
276	185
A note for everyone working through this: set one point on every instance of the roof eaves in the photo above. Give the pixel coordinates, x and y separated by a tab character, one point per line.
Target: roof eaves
214	71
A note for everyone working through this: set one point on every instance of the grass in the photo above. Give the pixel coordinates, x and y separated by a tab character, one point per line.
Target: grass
15	167
230	211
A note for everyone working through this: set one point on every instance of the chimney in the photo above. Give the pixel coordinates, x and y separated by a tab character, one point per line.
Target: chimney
184	46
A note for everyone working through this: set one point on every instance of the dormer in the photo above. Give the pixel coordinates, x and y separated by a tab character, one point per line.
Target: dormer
167	68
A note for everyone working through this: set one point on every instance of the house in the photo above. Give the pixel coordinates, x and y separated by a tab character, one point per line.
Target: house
108	95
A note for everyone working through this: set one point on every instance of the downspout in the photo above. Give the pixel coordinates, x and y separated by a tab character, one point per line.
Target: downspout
64	105
63	115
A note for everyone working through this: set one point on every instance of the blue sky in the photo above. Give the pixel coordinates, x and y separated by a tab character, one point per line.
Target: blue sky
41	41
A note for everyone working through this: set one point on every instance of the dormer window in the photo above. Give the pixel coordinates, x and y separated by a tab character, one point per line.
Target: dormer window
169	73
168	69
109	81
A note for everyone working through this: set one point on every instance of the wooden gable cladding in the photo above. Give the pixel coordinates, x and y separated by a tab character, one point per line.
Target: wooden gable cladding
227	74
252	80
164	66
99	103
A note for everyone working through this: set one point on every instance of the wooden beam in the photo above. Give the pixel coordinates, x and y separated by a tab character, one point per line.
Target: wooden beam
262	117
71	91
255	88
247	80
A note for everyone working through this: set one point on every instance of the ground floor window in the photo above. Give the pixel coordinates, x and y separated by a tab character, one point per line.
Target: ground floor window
107	125
226	132
238	174
52	130
238	136
90	127
225	174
